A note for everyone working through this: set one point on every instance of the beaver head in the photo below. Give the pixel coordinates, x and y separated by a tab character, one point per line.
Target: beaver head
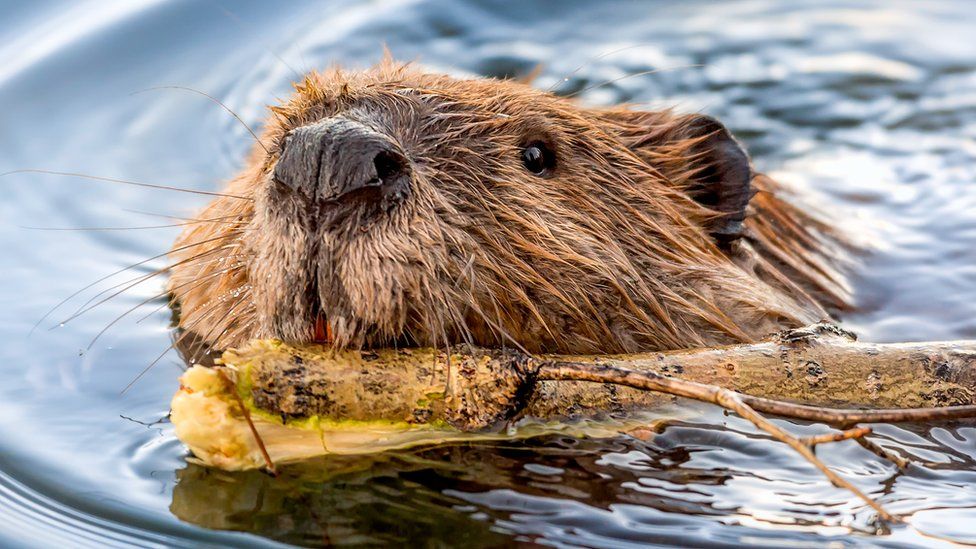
395	206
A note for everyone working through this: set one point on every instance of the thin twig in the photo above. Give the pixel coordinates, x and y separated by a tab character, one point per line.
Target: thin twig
856	432
733	401
726	398
215	100
232	387
884	453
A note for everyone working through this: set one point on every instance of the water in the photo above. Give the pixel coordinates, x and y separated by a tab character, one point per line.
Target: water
868	108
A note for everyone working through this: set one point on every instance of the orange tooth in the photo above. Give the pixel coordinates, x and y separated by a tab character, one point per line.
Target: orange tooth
322	332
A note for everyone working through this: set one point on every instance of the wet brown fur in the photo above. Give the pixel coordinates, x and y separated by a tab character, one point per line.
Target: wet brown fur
607	254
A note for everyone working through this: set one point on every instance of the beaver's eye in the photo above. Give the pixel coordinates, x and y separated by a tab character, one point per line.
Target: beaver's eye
538	159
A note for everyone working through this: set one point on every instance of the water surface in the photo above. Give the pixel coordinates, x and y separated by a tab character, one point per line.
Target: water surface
867	109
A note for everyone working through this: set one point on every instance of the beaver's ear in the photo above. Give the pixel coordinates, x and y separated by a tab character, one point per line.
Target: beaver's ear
720	176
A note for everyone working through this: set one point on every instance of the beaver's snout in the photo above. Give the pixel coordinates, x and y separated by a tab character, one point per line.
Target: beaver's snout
338	159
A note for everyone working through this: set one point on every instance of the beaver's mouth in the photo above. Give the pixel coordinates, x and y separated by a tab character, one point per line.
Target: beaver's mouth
321	331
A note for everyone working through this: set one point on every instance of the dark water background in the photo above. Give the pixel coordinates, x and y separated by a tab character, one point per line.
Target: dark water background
868	108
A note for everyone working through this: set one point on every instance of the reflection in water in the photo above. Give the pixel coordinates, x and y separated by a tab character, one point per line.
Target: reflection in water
866	107
382	500
668	490
404	496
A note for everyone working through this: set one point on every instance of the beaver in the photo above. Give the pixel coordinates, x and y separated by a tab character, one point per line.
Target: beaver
392	206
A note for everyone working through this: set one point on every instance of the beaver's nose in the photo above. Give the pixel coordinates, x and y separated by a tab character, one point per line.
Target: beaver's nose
337	156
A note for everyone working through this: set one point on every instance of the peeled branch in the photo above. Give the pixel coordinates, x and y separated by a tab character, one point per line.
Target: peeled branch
271	403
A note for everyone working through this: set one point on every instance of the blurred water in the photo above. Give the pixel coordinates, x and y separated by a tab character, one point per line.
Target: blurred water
866	108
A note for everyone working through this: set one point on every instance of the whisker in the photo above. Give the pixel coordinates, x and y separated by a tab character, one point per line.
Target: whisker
223	332
134	284
462	327
468	273
168	216
150	275
154	311
120	317
144	227
215	100
145	302
242	328
135	281
240	291
220	219
110	275
231	15
200	283
497	326
153	363
464	270
161	270
641	73
124	182
177	341
591	60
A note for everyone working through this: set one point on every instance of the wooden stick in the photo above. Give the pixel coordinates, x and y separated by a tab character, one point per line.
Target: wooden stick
883	453
650	381
468	390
